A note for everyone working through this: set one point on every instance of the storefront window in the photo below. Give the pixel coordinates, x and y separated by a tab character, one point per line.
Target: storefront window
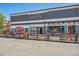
62	29
56	29
50	28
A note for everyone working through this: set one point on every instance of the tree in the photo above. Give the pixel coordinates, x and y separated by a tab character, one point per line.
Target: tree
2	22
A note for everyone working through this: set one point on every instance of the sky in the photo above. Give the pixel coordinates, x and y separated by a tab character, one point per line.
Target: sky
10	8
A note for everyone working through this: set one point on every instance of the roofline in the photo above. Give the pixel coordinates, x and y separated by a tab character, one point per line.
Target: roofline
45	9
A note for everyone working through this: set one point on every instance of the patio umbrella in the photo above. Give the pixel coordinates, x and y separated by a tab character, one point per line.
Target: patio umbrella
12	27
27	27
7	26
19	27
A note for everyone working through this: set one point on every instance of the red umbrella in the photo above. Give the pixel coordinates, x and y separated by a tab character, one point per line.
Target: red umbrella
8	26
19	27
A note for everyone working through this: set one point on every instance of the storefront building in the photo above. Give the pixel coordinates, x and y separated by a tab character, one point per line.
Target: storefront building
52	20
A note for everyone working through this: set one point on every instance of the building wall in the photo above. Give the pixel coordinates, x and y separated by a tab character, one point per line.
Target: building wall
56	16
47	15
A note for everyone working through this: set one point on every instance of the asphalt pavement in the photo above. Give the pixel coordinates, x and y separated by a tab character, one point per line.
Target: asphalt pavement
20	47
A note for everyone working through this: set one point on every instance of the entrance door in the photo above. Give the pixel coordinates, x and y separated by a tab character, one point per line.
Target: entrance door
41	30
71	29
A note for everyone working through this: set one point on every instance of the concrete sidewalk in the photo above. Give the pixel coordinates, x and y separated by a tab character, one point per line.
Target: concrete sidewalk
16	47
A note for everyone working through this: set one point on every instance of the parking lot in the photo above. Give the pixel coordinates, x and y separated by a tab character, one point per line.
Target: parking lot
20	47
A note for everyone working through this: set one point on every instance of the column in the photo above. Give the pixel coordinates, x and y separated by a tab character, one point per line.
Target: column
77	29
65	29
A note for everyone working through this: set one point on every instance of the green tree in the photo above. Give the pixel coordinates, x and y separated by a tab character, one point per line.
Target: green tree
2	22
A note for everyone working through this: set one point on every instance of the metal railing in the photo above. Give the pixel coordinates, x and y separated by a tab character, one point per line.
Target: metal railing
45	37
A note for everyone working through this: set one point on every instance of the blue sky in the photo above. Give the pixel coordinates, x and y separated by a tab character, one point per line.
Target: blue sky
9	8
